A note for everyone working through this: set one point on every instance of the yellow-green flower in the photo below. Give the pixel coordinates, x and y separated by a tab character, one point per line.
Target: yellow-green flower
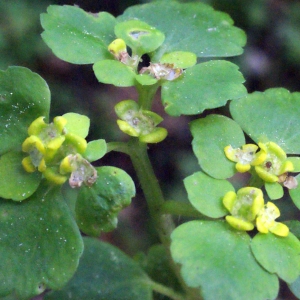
265	221
139	123
55	152
245	157
275	164
244	207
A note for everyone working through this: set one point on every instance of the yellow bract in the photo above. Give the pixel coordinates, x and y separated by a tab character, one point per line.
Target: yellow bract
245	157
55	152
265	221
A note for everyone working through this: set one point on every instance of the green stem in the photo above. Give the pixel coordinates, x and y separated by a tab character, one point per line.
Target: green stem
118	146
162	289
155	200
153	194
181	209
146	95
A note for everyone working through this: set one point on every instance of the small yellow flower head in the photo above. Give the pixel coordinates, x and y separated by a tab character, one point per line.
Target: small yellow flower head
57	153
245	157
265	221
244	207
117	48
275	164
139	123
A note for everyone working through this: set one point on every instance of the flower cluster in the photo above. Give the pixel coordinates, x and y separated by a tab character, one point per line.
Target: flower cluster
248	210
139	123
270	162
55	152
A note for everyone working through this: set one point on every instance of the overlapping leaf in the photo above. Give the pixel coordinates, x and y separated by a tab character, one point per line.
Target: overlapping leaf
272	115
211	135
97	207
16	183
206	194
24	96
193	27
40	244
203	86
219	260
105	272
77	36
278	255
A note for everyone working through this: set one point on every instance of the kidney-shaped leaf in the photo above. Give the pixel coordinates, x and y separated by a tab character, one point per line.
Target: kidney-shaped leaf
104	273
40	244
272	115
211	135
193	27
98	206
203	86
77	36
16	183
24	96
114	72
206	194
280	255
77	124
219	260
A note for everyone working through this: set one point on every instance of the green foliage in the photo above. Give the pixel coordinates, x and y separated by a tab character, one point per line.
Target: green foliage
24	96
98	206
16	184
263	123
114	72
40	244
104	273
217	258
205	194
278	255
77	36
211	135
50	190
192	27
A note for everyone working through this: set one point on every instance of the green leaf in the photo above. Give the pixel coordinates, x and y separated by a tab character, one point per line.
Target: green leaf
114	72
274	190
206	194
40	244
192	27
16	183
296	163
219	260
145	79
77	124
295	287
104	273
211	135
95	150
278	255
98	206
76	36
180	59
272	115
139	36
203	86
295	193
24	96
